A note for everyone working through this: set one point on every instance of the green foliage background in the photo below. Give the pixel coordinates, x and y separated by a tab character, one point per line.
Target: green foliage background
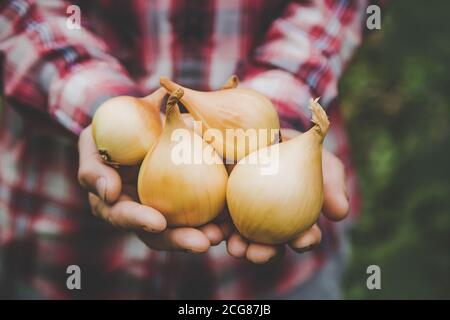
396	100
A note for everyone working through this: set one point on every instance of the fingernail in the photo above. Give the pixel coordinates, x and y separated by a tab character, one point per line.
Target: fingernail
305	249
148	229
100	185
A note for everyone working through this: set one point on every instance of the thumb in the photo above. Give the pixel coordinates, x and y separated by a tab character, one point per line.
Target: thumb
94	175
336	202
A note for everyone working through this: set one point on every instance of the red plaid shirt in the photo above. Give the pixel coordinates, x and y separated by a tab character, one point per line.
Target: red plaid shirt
54	78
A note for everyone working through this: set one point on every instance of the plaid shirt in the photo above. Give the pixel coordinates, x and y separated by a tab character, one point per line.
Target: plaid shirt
54	77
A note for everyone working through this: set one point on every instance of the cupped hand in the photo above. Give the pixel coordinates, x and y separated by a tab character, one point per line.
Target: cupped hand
335	207
113	197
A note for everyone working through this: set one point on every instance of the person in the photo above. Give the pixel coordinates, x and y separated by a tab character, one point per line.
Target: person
54	77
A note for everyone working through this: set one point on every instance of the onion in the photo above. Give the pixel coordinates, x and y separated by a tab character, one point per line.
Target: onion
236	121
188	191
125	128
276	193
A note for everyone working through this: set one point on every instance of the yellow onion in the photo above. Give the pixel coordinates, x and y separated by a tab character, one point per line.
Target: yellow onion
193	125
276	193
236	121
188	192
125	127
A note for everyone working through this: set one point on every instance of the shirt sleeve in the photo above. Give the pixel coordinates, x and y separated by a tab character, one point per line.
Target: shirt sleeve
50	67
303	55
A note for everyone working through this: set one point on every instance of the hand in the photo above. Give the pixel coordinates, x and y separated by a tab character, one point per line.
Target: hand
335	207
113	197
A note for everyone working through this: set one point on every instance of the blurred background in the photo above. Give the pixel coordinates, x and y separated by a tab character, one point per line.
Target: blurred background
396	101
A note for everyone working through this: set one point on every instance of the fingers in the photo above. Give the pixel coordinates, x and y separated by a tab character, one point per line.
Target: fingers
213	232
336	204
128	215
226	228
219	229
258	253
150	226
93	174
223	222
261	253
237	246
181	239
307	240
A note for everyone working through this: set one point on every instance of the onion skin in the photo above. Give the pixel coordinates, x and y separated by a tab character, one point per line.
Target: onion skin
190	123
187	194
275	208
125	128
231	108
